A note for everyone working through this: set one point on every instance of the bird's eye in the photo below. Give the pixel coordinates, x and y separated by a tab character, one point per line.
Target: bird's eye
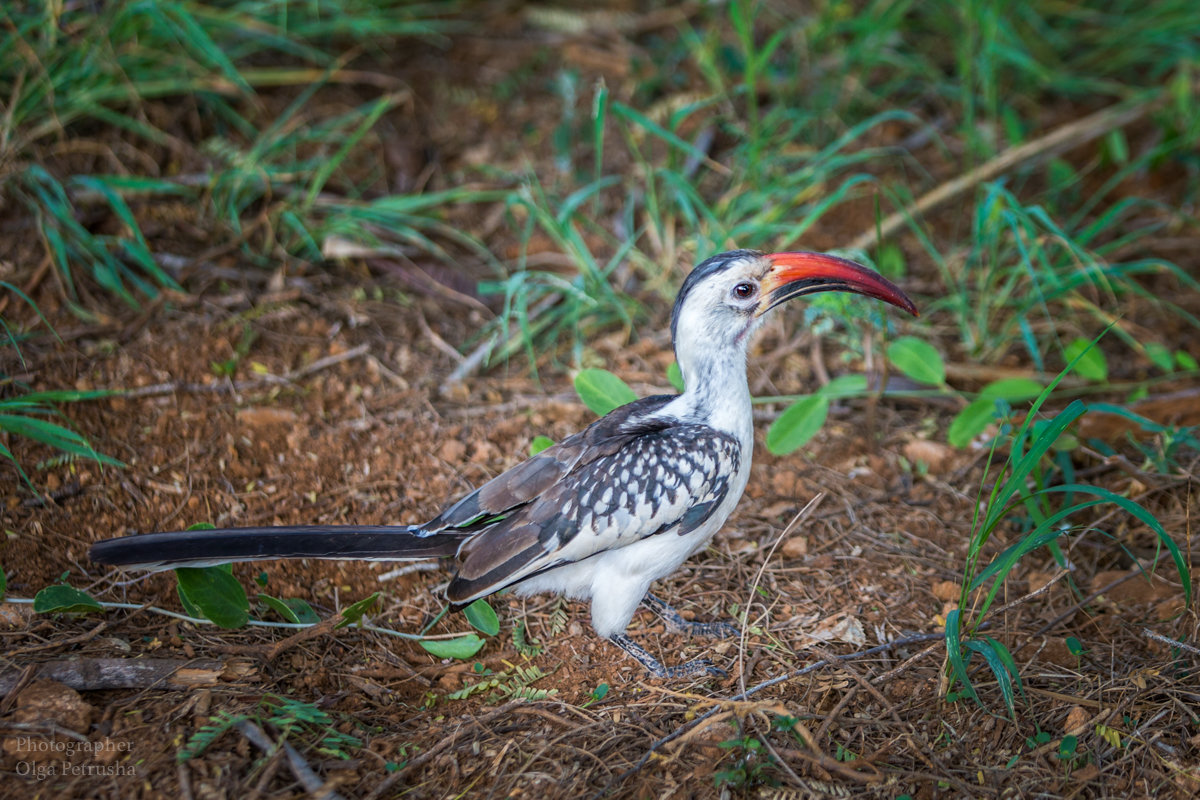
744	291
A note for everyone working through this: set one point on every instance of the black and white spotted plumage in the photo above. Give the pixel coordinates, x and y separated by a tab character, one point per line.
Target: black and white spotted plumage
633	475
606	512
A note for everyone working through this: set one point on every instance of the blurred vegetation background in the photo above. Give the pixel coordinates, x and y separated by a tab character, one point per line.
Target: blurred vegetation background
1029	169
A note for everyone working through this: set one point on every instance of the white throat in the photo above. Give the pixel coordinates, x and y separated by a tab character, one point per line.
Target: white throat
716	392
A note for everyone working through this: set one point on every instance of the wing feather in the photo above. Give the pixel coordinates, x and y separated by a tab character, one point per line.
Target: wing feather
530	479
656	477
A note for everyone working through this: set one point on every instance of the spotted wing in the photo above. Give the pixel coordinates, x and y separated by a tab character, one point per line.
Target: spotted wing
652	477
528	480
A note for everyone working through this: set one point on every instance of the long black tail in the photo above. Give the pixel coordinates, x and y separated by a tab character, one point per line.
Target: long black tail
199	548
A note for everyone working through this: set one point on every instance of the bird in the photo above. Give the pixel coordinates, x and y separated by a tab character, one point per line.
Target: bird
606	512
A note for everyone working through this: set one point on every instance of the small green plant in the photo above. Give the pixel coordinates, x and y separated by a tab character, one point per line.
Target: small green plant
1021	485
525	644
292	719
208	733
602	391
63	599
1024	269
596	695
79	72
514	683
752	764
31	415
295	718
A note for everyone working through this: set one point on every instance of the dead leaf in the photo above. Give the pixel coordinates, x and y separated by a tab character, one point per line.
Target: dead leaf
794	547
840	627
947	591
934	455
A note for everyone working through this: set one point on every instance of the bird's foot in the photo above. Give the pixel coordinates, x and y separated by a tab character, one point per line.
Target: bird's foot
713	630
699	666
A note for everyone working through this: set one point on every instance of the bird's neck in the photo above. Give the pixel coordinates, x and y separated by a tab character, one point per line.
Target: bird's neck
716	392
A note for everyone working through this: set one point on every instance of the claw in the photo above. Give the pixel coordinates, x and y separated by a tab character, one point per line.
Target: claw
712	630
699	666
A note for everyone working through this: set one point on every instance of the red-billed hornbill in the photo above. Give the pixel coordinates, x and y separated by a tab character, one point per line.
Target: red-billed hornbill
606	512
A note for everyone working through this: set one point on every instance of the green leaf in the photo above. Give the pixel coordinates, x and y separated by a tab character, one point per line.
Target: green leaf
1004	681
971	421
483	617
954	651
602	391
64	599
3	583
1067	747
798	424
1160	356
1008	661
215	593
1060	173
353	614
1091	364
292	610
539	444
1074	646
1185	361
845	386
675	376
460	648
1012	389
654	128
917	359
189	608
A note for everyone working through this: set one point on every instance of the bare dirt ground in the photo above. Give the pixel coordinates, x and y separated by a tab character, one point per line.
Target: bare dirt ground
370	436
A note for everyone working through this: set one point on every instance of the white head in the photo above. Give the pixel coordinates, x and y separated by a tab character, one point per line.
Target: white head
725	298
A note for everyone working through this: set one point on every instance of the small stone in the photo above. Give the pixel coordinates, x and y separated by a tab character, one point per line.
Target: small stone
45	701
1077	717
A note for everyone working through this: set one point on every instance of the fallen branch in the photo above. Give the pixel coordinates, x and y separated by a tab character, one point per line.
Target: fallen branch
1167	640
1070	135
95	674
310	780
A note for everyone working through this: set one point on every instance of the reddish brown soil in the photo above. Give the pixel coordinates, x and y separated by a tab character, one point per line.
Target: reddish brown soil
370	440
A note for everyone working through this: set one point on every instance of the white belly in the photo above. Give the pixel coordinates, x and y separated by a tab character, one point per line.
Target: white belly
615	581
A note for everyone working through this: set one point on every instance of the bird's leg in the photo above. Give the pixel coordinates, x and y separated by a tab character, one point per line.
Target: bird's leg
699	666
713	630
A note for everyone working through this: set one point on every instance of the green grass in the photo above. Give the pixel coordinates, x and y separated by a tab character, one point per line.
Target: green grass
805	110
1025	278
281	187
37	415
1035	491
77	73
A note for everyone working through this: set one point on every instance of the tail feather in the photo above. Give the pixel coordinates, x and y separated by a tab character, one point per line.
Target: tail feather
157	551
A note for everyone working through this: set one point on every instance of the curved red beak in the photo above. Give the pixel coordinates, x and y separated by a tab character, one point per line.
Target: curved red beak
795	274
